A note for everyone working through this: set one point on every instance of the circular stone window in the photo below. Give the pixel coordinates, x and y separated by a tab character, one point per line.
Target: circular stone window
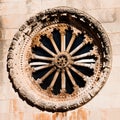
59	59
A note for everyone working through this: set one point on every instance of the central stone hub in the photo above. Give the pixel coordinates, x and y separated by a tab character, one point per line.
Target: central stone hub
62	60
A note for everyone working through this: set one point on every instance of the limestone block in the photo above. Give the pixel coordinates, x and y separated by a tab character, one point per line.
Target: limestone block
104	102
114	38
1	49
4	46
83	4
118	14
116	59
109	4
1	65
17	105
73	115
116	49
82	114
1	73
28	116
112	27
95	114
7	34
4	116
112	114
42	116
33	6
115	42
103	15
112	85
4	106
13	21
9	1
52	3
54	116
1	33
13	8
0	22
16	116
7	92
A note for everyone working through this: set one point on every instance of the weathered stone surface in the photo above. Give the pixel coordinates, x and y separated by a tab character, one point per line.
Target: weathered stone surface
73	116
82	114
105	106
1	33
52	4
116	60
12	21
4	106
103	15
7	92
109	4
4	116
29	116
112	114
7	34
9	1
18	68
1	49
83	5
114	38
113	83
13	8
95	114
113	27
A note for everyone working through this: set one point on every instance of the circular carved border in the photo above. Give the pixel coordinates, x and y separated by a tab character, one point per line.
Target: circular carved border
22	61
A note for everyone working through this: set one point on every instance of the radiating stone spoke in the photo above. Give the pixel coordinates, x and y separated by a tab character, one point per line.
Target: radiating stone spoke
47	50
42	67
54	79
63	39
81	56
63	81
85	41
71	77
77	48
38	63
90	65
76	71
54	44
71	42
34	56
63	42
86	60
90	53
40	80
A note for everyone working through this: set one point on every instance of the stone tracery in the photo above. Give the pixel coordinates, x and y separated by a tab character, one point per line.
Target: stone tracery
59	57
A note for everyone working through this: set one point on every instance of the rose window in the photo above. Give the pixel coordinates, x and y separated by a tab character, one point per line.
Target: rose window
59	59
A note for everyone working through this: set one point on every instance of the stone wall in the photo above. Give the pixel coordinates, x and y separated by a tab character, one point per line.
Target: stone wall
105	106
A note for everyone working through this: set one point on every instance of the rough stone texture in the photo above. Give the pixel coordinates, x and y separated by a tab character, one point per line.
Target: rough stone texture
103	15
11	8
105	106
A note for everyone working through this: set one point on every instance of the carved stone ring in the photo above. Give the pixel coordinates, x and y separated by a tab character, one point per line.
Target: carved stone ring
59	59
